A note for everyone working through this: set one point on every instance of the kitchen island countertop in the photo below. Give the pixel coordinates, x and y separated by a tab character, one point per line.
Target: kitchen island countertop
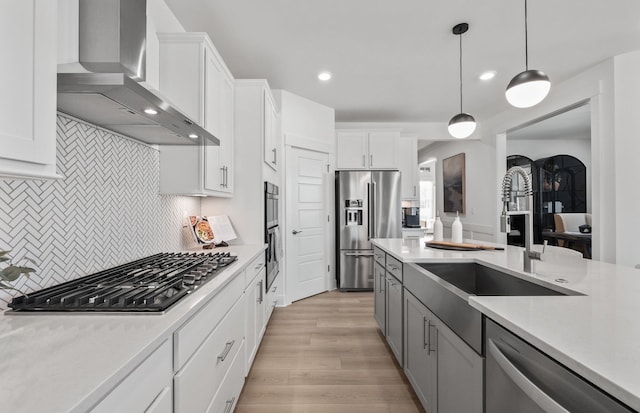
69	362
596	334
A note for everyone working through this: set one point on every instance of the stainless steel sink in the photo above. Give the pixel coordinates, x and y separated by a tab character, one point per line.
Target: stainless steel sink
445	289
477	279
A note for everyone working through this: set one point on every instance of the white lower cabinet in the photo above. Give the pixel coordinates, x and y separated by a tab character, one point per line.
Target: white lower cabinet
445	372
196	383
254	316
229	392
163	403
146	389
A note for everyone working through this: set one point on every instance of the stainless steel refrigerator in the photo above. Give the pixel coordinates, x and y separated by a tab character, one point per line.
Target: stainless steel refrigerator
367	206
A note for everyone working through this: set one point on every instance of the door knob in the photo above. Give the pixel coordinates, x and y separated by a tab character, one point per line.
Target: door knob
295	231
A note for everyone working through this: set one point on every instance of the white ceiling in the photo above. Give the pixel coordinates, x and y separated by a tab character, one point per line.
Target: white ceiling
397	61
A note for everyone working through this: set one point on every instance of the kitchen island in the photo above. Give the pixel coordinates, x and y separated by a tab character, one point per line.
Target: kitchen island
73	362
594	334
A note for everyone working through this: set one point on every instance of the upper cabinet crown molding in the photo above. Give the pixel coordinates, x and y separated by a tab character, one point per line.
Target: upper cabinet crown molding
356	149
28	33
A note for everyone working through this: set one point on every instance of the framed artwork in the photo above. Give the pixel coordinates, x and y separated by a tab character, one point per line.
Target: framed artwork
453	183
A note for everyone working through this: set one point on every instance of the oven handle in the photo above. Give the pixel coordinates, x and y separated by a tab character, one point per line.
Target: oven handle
542	399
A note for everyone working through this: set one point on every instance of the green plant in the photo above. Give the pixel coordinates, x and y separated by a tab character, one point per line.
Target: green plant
12	272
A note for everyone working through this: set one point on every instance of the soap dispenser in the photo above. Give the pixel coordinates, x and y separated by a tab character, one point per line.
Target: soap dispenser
437	229
456	230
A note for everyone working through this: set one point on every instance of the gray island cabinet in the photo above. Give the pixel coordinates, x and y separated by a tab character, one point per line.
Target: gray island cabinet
388	300
445	372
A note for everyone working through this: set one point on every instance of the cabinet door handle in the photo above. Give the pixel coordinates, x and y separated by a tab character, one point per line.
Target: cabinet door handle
227	349
424	333
370	160
222	177
363	161
429	348
260	297
414	190
274	156
229	405
382	284
225	176
257	267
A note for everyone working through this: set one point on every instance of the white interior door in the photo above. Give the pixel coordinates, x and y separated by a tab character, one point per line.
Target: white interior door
307	226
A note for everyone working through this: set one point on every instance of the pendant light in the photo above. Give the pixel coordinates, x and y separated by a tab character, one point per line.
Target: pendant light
530	87
461	125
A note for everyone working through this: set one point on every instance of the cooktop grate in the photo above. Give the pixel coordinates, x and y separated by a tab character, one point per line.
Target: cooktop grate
150	284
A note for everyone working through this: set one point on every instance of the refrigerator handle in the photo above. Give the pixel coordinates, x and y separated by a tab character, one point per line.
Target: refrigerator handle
372	208
369	211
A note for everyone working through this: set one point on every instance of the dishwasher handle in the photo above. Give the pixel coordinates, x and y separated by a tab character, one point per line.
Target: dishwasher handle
539	397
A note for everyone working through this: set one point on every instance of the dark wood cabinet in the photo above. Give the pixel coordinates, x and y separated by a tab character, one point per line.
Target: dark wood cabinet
559	185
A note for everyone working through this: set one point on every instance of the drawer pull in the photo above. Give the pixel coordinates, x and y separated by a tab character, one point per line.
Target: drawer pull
226	351
229	405
257	267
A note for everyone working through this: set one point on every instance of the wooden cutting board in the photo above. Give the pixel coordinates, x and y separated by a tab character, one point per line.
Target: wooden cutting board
447	245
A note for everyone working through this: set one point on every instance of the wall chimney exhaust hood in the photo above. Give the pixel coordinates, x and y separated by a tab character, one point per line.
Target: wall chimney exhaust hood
108	88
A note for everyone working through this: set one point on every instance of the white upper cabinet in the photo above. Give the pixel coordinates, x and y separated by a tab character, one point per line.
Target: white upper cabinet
28	99
409	173
194	77
271	155
367	150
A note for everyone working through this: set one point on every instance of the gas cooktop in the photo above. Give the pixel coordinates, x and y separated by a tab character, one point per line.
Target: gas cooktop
151	284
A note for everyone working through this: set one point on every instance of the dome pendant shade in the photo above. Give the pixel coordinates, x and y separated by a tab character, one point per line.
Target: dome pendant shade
462	126
528	88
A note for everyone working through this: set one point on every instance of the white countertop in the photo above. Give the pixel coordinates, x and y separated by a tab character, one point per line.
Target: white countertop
66	363
597	335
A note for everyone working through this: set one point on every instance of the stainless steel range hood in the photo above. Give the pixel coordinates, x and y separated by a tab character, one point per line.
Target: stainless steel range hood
110	93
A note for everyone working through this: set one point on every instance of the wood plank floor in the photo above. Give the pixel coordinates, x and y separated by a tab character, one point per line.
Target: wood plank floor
325	354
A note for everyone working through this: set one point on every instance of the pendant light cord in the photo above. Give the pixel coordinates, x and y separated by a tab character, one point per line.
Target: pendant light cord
526	38
460	35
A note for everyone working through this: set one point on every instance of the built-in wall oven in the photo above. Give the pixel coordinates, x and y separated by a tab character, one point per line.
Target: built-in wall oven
271	232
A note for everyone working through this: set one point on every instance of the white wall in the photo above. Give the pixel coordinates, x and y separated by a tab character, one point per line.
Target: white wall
479	215
627	153
159	19
304	118
309	125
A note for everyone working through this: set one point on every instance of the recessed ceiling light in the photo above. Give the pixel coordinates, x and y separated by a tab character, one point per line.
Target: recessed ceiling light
324	76
193	136
488	75
150	111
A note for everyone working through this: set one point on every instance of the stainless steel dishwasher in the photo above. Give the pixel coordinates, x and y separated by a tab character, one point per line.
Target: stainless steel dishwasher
520	378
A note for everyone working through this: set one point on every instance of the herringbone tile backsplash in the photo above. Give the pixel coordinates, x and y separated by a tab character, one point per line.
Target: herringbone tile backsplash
105	212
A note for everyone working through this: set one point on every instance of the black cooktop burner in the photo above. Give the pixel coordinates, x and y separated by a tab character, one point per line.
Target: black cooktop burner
150	284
